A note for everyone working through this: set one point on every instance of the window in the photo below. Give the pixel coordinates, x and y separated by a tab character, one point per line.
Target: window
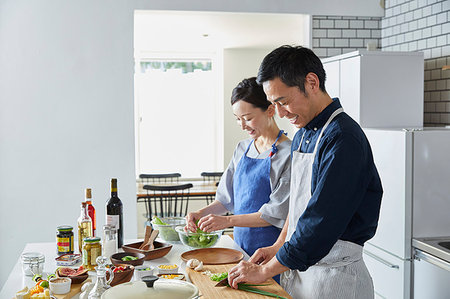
178	113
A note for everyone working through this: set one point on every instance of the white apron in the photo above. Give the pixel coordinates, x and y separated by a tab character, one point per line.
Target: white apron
341	273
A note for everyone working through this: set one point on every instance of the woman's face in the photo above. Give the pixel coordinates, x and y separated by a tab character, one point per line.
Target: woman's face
253	120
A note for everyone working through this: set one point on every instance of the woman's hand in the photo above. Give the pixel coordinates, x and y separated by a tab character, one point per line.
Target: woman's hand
212	222
246	272
263	255
191	219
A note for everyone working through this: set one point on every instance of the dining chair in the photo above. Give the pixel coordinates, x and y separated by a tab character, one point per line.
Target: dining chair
213	178
159	178
166	201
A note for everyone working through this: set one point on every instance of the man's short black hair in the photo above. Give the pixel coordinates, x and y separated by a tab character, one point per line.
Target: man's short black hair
291	64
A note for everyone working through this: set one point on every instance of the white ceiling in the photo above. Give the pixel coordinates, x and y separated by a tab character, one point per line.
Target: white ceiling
177	31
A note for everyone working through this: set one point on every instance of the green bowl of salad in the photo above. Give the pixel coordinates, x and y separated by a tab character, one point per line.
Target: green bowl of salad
166	227
199	239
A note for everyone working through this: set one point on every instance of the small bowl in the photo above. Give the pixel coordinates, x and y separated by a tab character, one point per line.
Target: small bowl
180	276
116	258
168	271
141	271
167	232
60	285
121	277
161	249
198	240
75	279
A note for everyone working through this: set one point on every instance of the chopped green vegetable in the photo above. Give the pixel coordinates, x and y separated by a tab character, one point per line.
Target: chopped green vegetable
200	240
157	220
219	276
247	288
146	269
37	277
49	276
129	258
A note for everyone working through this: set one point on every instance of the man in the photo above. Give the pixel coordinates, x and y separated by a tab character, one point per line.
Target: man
335	188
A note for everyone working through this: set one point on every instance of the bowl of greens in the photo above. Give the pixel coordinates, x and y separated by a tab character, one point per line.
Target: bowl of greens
166	227
199	239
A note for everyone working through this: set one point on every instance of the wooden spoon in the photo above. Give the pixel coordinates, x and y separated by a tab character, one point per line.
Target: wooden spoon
148	233
149	245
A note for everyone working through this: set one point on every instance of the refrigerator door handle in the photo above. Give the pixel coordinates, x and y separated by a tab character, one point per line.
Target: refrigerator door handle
384	262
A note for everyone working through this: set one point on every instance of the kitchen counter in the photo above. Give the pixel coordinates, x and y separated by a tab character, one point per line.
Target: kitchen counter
16	280
438	247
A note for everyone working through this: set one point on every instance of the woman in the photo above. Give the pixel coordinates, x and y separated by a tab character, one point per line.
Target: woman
255	186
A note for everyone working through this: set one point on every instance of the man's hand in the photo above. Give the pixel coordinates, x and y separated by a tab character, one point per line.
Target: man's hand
246	272
263	255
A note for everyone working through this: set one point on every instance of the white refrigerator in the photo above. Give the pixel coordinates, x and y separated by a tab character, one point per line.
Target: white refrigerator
415	172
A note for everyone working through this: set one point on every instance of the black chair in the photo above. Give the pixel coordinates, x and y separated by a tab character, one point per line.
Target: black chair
166	201
213	178
160	178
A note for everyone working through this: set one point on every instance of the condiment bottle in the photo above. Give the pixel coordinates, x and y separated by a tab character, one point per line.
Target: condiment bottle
91	250
64	239
109	240
91	209
84	226
101	285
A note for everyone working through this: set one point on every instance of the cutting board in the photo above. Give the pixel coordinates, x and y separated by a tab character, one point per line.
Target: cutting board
209	291
74	290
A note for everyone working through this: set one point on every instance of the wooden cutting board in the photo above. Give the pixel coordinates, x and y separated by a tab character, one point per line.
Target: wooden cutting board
74	290
209	291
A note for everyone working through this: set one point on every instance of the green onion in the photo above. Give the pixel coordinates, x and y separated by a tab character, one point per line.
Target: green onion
247	288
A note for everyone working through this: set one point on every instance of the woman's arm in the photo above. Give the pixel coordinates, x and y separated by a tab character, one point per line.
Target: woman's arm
213	222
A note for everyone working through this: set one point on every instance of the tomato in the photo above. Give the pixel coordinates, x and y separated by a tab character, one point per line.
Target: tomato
119	269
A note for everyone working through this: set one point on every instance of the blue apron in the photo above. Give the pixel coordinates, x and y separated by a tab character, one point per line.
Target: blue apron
251	188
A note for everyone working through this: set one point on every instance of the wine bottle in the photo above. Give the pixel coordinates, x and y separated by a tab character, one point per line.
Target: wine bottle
114	212
91	209
84	226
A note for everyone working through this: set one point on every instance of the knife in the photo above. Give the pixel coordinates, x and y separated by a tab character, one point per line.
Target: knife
222	283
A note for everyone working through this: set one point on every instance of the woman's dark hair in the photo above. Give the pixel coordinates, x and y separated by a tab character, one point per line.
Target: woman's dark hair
248	90
291	64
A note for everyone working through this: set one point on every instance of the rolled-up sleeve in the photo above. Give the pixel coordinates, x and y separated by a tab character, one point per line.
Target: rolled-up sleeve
339	184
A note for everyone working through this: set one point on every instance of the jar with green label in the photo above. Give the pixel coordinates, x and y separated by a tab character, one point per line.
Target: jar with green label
91	250
64	239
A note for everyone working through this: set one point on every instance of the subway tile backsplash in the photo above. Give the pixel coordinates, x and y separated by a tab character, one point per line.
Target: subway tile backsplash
414	25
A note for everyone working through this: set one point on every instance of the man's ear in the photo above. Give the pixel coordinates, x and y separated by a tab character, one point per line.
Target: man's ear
311	83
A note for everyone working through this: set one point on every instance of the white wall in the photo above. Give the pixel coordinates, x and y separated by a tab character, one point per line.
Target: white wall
66	96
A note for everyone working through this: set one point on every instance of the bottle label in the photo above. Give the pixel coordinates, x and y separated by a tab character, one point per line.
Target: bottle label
113	220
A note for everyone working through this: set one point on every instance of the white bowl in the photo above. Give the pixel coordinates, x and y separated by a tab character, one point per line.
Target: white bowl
60	285
139	271
167	271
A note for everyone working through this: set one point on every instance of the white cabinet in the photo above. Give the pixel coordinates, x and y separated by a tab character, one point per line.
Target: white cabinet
431	277
390	274
378	89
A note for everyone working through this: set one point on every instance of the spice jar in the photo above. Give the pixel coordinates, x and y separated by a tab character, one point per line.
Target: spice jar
64	239
91	250
32	263
109	240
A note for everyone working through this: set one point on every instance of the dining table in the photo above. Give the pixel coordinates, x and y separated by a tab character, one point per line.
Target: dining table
17	280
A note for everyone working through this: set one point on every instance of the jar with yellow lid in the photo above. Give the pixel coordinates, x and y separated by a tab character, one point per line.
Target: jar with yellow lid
91	250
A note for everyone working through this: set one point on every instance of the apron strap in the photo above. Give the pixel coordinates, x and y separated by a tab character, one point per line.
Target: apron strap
274	147
336	112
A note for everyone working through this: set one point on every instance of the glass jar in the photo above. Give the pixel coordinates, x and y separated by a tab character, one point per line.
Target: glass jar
32	263
109	240
64	239
91	250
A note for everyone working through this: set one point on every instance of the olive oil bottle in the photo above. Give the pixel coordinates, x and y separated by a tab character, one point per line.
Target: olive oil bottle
114	212
84	226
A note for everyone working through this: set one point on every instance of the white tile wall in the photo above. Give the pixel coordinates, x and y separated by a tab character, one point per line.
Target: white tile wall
428	28
338	35
408	25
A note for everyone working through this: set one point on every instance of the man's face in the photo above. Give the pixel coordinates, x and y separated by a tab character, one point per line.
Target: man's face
290	102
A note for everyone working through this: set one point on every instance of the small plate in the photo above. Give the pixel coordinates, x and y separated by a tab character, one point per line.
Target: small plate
180	276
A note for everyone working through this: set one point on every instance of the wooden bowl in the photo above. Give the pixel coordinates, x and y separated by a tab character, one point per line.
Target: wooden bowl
75	279
116	258
121	277
161	249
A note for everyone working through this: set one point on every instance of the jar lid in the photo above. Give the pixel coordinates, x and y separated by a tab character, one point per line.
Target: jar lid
64	228
28	257
91	240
